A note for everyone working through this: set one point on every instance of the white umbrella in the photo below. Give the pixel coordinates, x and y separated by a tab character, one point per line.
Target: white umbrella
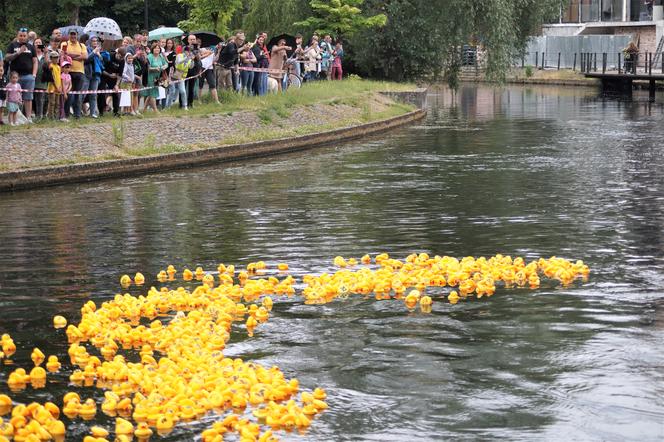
104	28
164	32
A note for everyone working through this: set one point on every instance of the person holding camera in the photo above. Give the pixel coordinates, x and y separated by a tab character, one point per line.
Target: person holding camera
22	58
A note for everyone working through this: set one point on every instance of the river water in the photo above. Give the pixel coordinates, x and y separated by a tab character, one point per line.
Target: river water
535	171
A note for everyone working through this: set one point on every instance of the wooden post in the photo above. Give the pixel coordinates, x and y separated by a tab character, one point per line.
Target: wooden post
595	62
604	63
619	64
543	64
558	60
574	66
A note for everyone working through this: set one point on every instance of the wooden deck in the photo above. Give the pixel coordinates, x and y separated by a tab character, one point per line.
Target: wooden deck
621	82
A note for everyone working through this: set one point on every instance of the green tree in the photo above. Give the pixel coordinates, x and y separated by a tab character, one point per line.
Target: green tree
213	15
341	18
71	9
275	17
423	38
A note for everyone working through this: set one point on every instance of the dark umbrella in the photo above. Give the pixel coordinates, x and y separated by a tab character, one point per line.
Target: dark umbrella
67	29
207	38
290	41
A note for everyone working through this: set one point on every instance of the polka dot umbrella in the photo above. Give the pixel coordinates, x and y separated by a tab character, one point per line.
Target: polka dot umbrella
104	28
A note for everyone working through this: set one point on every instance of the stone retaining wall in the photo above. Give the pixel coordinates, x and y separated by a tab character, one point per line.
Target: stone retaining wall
417	98
48	176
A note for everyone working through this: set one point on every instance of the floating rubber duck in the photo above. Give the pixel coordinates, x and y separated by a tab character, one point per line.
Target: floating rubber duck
125	280
282	266
139	279
59	321
187	275
453	297
142	431
412	299
123	426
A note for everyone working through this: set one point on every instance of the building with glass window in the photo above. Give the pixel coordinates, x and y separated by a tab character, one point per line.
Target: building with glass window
642	19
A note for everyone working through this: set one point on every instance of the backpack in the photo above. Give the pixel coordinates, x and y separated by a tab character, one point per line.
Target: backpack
47	74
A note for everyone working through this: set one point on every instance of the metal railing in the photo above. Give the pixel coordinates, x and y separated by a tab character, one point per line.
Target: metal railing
636	63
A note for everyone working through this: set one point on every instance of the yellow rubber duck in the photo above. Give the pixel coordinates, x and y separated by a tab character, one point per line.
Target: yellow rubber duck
453	297
37	356
282	266
412	298
125	280
59	321
123	426
142	431
187	275
425	301
139	279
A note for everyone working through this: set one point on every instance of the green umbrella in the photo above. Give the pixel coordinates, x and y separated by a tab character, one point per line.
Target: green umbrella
159	33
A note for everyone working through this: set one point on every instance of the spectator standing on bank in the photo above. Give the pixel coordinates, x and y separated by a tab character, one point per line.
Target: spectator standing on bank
192	53
262	62
3	93
278	57
22	58
247	60
207	75
169	55
337	62
78	53
40	83
228	59
14	98
311	57
94	66
65	78
157	64
326	56
111	77
182	65
54	86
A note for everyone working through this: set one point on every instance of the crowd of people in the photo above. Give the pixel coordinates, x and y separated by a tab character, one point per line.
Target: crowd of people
75	75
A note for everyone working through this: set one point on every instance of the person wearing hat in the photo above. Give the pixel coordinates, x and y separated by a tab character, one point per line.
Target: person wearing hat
78	54
54	86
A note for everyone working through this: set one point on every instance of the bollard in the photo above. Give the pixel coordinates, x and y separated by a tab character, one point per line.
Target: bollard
543	64
604	63
574	65
595	62
558	60
619	64
650	63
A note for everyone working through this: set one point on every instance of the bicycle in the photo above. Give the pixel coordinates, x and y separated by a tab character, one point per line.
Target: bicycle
293	79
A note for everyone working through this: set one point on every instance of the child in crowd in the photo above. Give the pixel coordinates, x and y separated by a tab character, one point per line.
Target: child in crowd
337	70
3	94
54	87
128	78
14	98
65	78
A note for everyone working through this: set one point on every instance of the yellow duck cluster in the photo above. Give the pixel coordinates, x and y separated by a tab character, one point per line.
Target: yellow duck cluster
179	337
469	277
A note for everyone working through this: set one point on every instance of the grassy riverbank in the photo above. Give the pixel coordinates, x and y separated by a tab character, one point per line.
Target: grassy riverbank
314	108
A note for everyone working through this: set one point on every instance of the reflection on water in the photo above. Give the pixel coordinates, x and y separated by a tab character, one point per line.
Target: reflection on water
524	171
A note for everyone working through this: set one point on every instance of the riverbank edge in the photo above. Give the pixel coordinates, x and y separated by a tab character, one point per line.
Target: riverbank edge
97	170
